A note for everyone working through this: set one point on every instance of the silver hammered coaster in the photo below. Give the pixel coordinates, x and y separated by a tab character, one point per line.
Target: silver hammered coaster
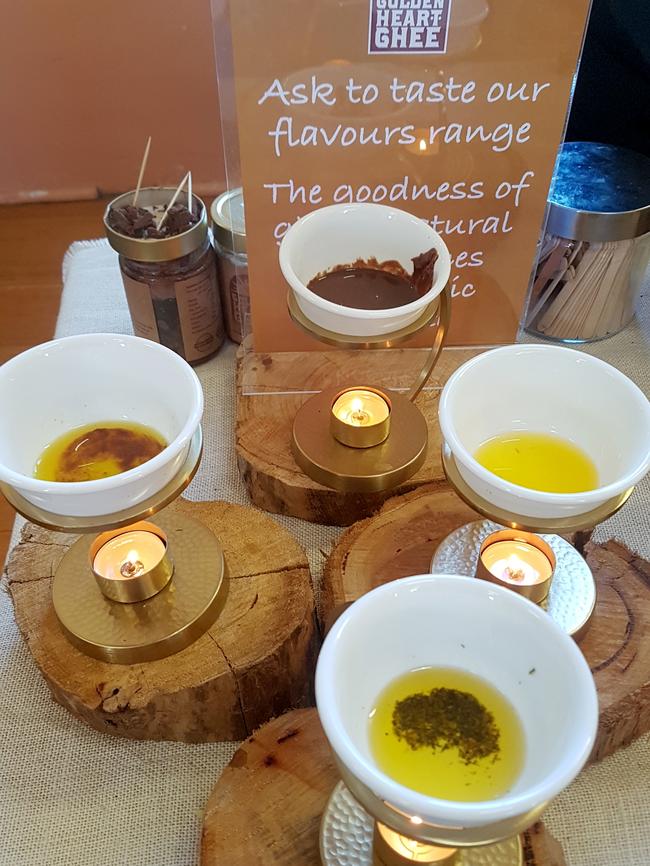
572	597
346	832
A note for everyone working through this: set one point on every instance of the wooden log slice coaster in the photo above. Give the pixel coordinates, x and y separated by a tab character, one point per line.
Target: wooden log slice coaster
266	808
401	541
265	421
255	662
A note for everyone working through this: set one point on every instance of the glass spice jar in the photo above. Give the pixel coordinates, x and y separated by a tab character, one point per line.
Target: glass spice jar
596	249
171	283
229	231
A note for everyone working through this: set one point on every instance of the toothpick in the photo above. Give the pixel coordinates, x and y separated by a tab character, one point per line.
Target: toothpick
173	201
189	192
143	166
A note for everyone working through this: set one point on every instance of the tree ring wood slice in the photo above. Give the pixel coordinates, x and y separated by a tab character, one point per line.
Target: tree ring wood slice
255	662
267	466
266	808
401	539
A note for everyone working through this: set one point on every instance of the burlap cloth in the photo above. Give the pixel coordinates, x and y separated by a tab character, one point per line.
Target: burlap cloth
73	797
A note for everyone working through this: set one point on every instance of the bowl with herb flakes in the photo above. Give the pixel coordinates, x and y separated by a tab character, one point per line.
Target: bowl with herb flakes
456	710
95	423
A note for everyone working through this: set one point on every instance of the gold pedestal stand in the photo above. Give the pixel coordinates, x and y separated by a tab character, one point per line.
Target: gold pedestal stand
169	621
142	631
382	466
291	787
364	470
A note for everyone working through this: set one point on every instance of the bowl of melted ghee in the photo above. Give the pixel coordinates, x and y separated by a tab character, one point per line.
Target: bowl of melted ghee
545	431
95	423
456	709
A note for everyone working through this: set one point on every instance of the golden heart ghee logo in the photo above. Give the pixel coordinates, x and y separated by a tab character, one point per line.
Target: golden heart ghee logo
408	26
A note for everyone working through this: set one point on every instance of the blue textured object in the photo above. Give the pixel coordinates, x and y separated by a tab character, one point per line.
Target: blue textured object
600	177
599	193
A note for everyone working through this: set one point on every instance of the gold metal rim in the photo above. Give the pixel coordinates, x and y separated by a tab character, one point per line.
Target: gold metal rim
359	470
138	587
536	592
63	523
142	631
156	250
345	341
551	525
386	855
360	437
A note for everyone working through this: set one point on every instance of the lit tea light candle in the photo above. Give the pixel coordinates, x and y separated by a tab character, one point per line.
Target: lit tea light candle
360	417
392	849
131	564
129	555
518	560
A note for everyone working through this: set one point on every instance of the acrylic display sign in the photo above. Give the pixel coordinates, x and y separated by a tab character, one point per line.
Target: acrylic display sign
450	109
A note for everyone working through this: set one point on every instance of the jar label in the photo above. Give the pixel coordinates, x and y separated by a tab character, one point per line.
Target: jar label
141	309
199	312
239	308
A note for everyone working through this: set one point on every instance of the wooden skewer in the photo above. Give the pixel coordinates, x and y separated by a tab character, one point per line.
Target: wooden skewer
551	270
613	311
547	293
189	192
572	290
589	295
143	166
173	201
570	318
629	283
595	296
605	299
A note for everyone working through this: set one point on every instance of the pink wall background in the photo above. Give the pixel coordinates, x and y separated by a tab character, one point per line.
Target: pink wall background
84	82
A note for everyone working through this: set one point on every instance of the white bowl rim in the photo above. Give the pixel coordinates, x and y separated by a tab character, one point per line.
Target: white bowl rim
458	450
28	482
442	268
417	804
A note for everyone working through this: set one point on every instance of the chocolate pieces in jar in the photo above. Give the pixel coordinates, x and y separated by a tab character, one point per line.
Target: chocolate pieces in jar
169	274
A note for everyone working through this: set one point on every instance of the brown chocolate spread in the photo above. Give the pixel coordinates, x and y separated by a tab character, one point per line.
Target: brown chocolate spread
374	285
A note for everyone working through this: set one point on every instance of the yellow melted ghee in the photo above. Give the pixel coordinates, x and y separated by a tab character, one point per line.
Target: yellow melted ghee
442	772
539	461
98	450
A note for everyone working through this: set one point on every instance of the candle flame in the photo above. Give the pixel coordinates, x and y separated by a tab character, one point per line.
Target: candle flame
515	568
356	405
422	144
132	566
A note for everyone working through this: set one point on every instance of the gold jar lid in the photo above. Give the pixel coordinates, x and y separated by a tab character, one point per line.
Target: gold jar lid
157	249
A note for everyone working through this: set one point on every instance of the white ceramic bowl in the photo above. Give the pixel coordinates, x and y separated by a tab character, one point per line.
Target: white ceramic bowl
547	389
342	233
52	388
447	621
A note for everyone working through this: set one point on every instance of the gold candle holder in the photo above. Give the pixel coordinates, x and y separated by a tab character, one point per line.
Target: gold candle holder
390	848
360	417
131	564
518	560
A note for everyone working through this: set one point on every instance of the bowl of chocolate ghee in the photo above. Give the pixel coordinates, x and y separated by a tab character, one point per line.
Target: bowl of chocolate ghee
338	237
77	382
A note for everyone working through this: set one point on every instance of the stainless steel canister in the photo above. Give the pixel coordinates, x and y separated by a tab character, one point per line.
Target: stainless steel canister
596	248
